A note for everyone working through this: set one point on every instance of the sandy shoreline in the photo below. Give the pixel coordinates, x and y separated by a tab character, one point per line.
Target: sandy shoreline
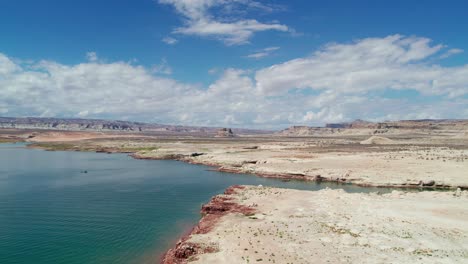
328	226
283	173
411	165
396	166
405	158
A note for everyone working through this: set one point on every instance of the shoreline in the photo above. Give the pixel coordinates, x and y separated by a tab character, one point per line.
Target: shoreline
371	229
302	177
218	206
405	158
285	176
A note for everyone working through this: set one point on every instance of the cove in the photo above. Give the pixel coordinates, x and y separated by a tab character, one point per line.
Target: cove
81	207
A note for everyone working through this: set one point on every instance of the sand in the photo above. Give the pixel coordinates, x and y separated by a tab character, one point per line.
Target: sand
376	140
331	226
392	166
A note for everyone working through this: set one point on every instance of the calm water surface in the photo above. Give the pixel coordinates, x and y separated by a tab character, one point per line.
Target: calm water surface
121	211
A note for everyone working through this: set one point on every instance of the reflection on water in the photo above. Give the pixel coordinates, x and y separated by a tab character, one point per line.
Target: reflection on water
77	207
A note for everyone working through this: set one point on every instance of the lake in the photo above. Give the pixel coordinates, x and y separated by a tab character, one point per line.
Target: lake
80	207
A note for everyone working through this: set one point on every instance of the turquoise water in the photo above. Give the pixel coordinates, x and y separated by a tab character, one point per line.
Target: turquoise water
121	211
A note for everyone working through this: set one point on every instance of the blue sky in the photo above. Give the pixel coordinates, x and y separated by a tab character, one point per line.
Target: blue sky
222	49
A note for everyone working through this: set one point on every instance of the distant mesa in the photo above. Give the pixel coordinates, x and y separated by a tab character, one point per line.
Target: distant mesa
301	131
457	127
402	124
225	133
99	125
355	124
362	127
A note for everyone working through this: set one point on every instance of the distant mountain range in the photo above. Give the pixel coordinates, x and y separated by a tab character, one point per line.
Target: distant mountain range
388	127
404	124
77	124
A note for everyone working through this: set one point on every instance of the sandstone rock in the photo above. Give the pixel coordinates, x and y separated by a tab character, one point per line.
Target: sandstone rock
185	251
225	132
428	183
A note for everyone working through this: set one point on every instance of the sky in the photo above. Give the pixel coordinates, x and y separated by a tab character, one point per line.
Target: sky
234	63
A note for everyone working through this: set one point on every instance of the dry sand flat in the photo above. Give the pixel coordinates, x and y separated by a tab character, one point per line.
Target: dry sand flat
382	165
331	226
378	141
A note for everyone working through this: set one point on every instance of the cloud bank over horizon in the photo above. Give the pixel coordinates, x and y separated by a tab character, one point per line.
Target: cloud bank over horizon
369	78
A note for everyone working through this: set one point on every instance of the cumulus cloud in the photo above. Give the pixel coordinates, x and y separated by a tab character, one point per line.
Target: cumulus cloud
227	25
377	79
394	62
262	53
51	89
7	66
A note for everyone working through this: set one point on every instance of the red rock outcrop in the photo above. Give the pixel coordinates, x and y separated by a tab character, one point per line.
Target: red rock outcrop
218	206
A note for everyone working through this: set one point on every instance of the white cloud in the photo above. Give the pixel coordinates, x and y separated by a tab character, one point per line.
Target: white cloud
92	56
119	88
170	40
339	82
199	20
365	65
451	52
262	53
269	49
7	66
83	114
213	71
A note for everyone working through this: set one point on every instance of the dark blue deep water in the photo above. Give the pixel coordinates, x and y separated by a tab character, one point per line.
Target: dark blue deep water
121	211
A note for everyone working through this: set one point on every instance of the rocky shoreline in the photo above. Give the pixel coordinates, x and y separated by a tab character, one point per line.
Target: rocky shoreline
212	212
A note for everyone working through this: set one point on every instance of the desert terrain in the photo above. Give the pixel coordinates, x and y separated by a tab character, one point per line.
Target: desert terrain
407	154
257	224
268	225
